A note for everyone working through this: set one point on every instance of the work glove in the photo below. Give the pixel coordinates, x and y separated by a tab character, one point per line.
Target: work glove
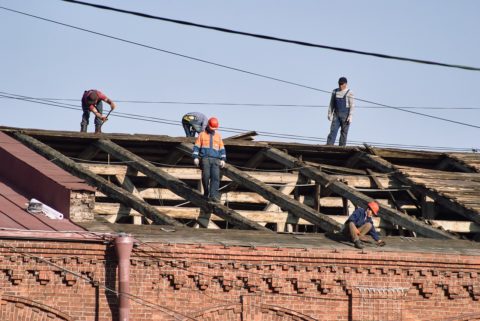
349	119
222	163
196	161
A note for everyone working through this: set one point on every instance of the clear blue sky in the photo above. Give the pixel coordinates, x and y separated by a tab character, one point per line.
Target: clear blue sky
41	59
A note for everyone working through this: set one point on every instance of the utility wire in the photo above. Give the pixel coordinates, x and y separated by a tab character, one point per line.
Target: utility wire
227	129
236	69
173	102
266	37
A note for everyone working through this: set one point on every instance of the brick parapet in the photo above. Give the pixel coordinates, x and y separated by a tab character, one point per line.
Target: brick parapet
205	282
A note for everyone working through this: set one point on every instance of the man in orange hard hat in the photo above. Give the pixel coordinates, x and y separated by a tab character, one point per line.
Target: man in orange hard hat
360	223
210	149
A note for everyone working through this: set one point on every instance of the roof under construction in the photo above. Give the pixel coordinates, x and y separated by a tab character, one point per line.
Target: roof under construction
267	186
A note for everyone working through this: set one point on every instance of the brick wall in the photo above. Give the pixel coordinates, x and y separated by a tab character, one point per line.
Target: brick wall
206	282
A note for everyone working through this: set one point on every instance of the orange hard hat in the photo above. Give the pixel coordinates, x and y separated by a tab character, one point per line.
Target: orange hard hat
374	207
213	123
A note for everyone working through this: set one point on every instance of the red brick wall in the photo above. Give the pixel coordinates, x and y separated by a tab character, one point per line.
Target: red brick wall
195	282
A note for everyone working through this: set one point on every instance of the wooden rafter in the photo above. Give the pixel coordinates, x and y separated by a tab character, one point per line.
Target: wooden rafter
451	204
177	186
275	196
360	199
100	183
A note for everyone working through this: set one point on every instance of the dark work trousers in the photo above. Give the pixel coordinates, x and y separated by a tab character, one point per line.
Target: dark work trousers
339	121
86	115
349	230
191	128
211	177
189	131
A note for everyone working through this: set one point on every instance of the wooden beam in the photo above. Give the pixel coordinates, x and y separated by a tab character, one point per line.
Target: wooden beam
451	160
253	162
245	136
275	196
102	184
174	158
89	153
358	181
279	218
128	185
177	186
454	206
392	215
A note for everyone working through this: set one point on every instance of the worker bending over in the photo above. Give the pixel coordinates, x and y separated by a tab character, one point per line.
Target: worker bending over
194	123
92	102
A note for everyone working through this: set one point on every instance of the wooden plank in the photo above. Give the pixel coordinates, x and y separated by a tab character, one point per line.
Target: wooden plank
102	184
276	196
177	186
128	185
393	216
359	181
246	136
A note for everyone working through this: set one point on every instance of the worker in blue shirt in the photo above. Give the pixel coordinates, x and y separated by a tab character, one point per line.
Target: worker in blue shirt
360	223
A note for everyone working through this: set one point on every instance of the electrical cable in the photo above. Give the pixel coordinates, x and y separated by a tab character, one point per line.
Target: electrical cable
265	37
230	104
236	130
237	69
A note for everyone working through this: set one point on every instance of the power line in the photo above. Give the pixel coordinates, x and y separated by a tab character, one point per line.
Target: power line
232	104
266	37
227	129
238	69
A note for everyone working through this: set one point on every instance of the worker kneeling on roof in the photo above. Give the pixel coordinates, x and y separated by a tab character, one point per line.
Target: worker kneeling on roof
360	223
210	149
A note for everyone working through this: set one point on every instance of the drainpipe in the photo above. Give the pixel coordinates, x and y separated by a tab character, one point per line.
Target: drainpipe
124	245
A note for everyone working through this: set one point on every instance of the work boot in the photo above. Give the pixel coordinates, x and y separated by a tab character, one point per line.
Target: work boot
83	128
98	129
358	244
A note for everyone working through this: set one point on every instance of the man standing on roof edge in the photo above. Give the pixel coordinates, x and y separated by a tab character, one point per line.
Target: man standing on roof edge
210	149
360	223
92	102
194	123
340	112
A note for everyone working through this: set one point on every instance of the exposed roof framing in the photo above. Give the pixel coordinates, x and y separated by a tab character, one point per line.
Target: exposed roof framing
285	186
389	214
177	186
102	184
275	196
438	186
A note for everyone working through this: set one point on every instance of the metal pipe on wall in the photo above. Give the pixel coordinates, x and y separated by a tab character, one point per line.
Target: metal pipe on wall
123	246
